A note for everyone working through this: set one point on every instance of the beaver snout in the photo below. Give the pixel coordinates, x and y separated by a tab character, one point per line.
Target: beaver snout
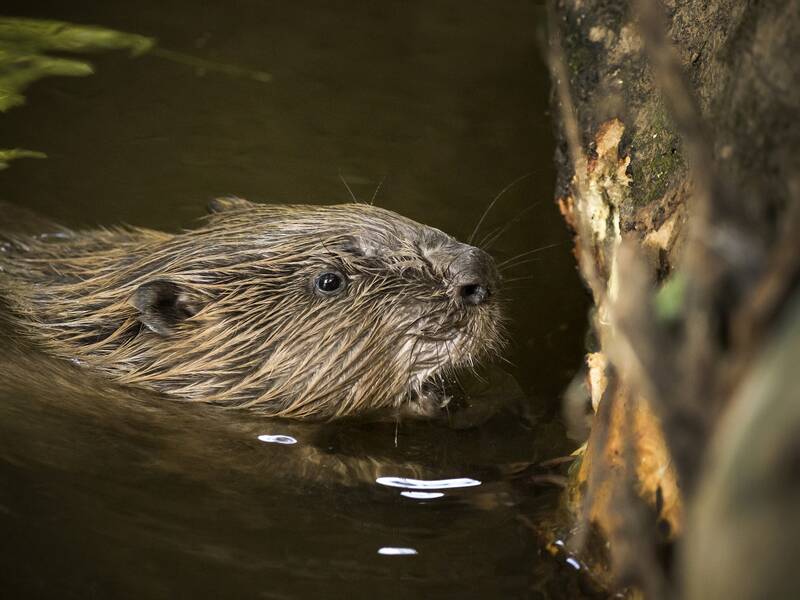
475	276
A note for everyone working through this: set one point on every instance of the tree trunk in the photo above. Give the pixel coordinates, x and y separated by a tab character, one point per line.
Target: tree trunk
678	172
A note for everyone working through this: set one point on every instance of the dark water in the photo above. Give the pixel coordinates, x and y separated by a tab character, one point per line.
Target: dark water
105	495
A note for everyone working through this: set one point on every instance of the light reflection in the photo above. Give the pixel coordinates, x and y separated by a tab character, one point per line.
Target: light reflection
277	439
429	484
421	495
574	563
393	551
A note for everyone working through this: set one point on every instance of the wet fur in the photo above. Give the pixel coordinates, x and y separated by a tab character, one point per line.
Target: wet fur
249	329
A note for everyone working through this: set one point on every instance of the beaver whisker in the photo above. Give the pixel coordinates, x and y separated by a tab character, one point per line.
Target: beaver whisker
504	263
377	189
488	209
347	187
489	239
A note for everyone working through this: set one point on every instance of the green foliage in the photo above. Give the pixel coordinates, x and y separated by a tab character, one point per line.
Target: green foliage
24	58
42	36
671	298
9	155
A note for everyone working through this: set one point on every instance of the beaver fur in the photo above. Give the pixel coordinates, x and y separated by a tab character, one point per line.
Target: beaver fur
292	310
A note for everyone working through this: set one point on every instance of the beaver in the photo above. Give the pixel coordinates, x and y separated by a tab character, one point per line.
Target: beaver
299	311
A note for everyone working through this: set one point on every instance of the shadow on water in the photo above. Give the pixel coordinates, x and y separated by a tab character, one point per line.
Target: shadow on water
104	493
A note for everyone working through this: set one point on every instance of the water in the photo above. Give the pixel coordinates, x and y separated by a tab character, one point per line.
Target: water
108	494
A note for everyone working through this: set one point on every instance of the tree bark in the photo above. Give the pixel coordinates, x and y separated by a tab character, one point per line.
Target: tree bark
678	172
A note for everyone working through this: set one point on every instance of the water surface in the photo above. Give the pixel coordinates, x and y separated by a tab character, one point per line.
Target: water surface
442	104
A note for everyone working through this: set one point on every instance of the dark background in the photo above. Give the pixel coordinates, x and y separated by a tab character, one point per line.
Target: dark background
445	103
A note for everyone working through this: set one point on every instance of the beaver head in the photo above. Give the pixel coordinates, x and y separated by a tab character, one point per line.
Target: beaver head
300	311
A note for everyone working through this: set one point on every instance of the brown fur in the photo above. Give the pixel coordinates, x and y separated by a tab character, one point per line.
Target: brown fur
228	313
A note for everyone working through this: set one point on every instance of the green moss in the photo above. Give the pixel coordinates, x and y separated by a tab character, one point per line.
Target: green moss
655	157
579	59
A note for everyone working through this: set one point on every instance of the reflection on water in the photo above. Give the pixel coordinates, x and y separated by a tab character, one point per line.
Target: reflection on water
107	493
277	439
422	495
126	495
435	484
389	551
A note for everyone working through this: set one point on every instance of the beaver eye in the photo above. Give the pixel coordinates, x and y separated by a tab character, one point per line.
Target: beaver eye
329	283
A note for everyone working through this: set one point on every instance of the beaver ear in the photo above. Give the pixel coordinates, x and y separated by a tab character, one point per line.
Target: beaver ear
218	205
162	304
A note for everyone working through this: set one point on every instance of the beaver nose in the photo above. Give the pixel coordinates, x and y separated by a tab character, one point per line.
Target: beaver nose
474	293
475	275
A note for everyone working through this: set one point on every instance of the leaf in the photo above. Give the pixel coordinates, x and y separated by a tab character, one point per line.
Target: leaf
24	44
669	300
12	154
43	36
